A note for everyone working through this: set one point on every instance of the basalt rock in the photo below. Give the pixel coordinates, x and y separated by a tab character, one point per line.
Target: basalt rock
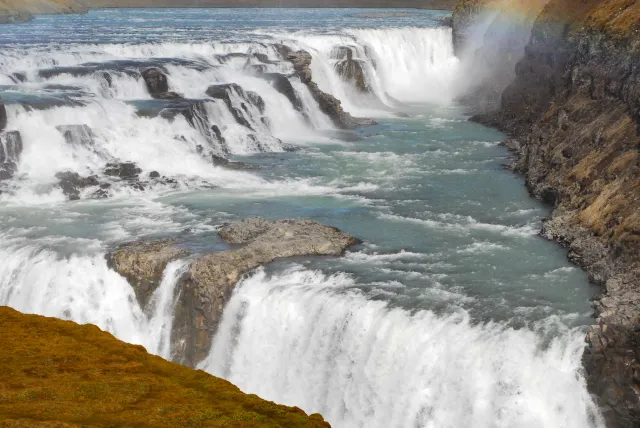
124	171
209	281
72	184
225	93
281	83
3	116
329	105
352	71
10	151
143	263
574	110
158	84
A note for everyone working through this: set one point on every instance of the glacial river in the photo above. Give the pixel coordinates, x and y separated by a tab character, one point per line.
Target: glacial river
452	313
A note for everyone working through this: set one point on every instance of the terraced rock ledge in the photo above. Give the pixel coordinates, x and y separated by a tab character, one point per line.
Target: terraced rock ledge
60	374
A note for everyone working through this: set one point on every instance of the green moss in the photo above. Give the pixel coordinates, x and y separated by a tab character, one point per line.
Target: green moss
59	374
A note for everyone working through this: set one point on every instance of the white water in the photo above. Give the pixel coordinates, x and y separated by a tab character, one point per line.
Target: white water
306	339
300	337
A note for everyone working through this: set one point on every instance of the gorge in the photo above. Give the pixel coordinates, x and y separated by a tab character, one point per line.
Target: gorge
150	159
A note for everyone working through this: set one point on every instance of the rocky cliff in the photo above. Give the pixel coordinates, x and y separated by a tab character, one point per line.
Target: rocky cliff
573	111
60	374
23	10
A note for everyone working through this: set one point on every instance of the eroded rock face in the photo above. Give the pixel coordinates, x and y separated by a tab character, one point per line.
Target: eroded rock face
574	110
225	92
209	281
10	151
142	263
281	83
158	84
3	116
352	71
329	104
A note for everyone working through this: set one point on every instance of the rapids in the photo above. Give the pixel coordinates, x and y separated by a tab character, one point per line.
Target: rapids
453	311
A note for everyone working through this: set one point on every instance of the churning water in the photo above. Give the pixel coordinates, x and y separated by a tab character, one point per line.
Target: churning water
452	313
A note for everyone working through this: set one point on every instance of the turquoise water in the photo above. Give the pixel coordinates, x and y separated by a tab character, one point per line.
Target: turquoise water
453	311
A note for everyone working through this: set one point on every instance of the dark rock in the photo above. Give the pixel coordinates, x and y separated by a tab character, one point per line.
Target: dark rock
3	116
352	71
256	100
125	170
156	80
223	92
328	104
154	174
10	151
342	53
281	83
19	77
142	263
72	184
77	135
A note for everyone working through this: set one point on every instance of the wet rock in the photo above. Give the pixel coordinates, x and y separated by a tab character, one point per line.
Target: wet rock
77	135
3	116
72	184
342	53
209	281
156	80
330	105
256	100
142	263
10	151
352	71
281	83
225	93
154	174
125	170
226	163
158	84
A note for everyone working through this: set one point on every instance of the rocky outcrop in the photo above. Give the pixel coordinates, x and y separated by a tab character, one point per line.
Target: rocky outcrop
350	69
207	284
10	151
329	105
281	83
158	84
72	183
142	263
228	91
61	374
3	116
573	109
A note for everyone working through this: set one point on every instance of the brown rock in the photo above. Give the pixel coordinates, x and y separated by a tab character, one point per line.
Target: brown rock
142	263
207	285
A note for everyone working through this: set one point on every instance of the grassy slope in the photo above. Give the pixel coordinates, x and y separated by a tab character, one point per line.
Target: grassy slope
57	372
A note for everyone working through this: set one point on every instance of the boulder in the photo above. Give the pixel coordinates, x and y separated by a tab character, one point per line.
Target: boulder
256	100
209	281
3	116
282	84
125	170
301	61
142	263
73	183
158	84
352	71
10	151
156	80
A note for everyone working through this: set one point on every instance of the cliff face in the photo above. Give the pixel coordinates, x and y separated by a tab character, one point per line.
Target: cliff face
58	373
23	10
574	113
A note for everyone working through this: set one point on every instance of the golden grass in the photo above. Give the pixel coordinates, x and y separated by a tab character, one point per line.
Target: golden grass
57	373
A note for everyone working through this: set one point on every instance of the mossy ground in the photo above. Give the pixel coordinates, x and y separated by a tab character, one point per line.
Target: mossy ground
57	373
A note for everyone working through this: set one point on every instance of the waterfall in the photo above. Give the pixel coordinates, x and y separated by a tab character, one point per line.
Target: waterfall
307	339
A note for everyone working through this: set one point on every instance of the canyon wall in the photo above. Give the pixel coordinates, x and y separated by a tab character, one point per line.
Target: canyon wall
573	112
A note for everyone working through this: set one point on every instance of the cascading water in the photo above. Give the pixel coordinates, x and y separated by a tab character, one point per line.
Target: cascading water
454	312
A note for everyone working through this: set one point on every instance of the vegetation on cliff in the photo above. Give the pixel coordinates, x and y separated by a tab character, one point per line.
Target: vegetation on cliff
58	373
